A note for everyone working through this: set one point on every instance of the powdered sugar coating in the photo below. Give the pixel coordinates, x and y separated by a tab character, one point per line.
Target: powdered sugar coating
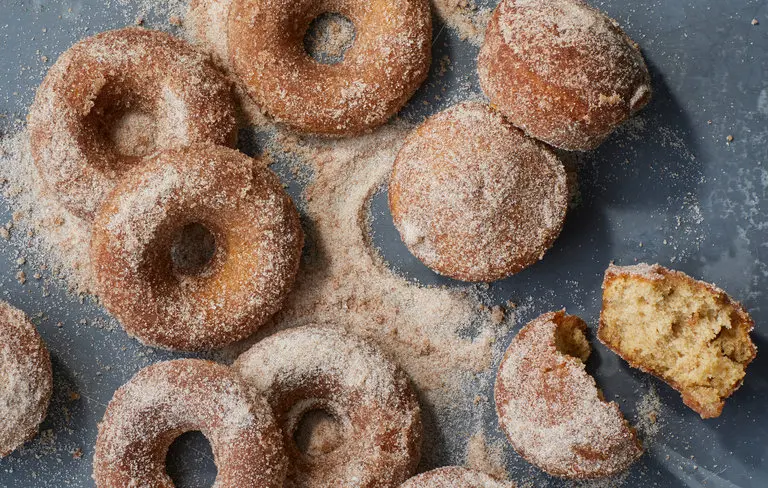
562	71
313	367
170	398
474	198
454	477
258	247
170	93
27	382
552	411
388	61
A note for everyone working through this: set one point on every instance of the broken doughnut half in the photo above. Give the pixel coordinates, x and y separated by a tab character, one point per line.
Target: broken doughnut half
688	333
551	409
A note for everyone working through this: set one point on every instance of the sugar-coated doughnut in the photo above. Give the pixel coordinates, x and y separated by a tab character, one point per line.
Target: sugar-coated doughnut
550	407
562	71
258	242
389	59
170	398
26	381
314	368
474	198
455	477
115	97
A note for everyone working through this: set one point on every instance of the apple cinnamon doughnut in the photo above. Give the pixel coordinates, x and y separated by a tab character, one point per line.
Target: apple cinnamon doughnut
454	477
27	381
170	398
550	408
376	415
388	61
474	198
257	243
562	71
115	97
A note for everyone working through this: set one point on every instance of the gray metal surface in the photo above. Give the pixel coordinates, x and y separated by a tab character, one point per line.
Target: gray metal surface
667	189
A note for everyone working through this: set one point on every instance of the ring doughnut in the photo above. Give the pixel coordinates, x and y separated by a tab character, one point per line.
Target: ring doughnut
313	368
454	477
27	380
115	97
255	229
170	398
388	61
474	198
551	409
562	71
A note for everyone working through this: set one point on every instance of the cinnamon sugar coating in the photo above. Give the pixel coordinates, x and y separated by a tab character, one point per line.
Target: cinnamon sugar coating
258	243
320	367
551	409
454	477
26	381
473	197
562	71
170	398
387	62
115	97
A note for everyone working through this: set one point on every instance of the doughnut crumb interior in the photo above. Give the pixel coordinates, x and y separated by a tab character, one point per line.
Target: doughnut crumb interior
689	333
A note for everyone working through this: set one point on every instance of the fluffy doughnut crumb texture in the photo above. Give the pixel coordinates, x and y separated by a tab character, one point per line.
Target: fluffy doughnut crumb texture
688	333
26	381
455	477
551	409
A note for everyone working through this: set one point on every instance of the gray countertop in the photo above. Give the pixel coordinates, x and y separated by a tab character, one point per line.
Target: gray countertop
667	188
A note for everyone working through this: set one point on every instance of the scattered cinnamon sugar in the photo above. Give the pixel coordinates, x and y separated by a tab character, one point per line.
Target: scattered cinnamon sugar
486	457
464	17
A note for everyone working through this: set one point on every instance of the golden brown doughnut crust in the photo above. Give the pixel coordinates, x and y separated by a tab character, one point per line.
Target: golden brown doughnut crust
170	398
388	61
562	71
455	477
26	379
550	408
258	248
101	79
322	367
474	198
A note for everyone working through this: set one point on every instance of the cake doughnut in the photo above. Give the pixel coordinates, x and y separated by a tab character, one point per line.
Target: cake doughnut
474	198
27	380
168	399
257	244
115	97
374	412
551	409
388	61
688	333
454	477
562	71
207	20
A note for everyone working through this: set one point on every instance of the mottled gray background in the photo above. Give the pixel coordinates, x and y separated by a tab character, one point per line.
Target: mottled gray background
668	189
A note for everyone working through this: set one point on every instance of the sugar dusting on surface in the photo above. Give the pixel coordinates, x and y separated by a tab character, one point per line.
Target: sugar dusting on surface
465	17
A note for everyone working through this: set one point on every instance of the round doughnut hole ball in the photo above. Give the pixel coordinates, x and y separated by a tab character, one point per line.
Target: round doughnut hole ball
193	249
562	71
328	38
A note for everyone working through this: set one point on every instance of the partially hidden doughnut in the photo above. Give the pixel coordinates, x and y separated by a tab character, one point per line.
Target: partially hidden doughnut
474	198
562	71
455	477
115	97
388	61
167	399
551	409
26	380
257	244
375	415
688	333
